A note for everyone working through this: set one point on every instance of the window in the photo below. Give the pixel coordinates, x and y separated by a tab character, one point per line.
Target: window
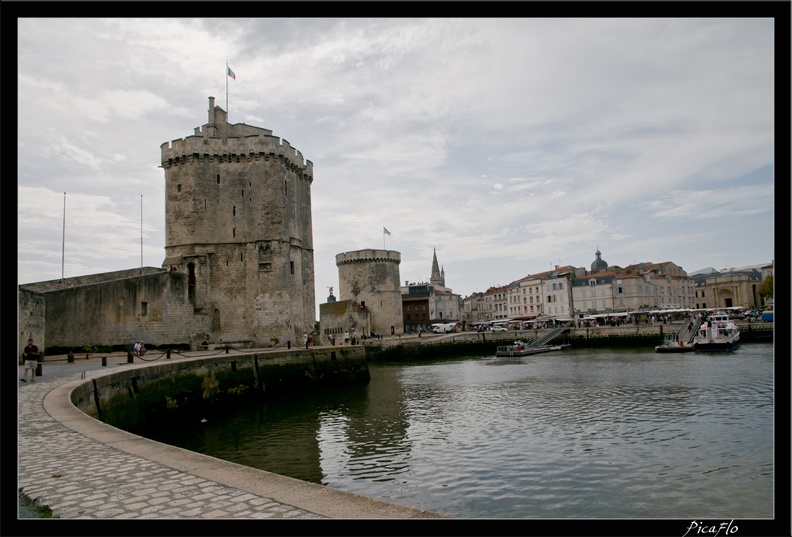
178	187
620	290
218	178
291	266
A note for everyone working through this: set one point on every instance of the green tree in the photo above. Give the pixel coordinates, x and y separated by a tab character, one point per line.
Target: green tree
766	287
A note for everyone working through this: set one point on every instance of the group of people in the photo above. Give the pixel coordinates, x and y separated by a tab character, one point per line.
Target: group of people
139	348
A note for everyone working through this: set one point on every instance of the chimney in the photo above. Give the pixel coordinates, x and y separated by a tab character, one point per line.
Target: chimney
211	111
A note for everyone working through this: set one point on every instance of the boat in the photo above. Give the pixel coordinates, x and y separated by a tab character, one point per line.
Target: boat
520	348
672	345
717	333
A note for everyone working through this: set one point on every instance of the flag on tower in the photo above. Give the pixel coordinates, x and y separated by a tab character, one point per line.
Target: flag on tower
231	73
385	230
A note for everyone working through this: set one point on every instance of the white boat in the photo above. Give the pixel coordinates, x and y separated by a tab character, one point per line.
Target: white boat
520	348
717	333
671	345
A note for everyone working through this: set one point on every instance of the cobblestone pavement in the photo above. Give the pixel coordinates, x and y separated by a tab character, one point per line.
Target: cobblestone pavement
78	477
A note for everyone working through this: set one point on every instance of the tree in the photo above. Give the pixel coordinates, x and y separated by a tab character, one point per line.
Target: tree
766	287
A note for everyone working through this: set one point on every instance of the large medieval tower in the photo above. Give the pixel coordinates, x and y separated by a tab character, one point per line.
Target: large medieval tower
238	222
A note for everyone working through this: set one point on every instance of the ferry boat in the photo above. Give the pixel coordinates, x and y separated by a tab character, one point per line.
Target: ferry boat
717	333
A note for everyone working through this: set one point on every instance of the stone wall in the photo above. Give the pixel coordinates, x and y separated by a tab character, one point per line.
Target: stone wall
153	308
151	396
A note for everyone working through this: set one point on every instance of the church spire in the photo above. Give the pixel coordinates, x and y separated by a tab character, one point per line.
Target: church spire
438	277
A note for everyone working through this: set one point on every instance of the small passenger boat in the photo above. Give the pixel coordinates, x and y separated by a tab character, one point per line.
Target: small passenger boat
520	348
671	345
718	333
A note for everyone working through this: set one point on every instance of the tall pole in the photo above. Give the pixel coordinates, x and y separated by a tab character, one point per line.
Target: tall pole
141	234
63	241
226	79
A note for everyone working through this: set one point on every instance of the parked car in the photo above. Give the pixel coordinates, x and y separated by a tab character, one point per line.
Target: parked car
498	329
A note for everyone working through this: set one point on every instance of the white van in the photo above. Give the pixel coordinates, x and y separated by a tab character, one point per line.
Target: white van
443	328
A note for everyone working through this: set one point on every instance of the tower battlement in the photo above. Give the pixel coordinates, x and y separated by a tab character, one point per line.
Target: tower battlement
224	142
368	255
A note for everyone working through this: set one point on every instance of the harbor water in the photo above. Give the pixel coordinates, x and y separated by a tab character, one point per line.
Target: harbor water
576	433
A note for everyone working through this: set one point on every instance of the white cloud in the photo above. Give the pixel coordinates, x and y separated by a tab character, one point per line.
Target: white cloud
507	144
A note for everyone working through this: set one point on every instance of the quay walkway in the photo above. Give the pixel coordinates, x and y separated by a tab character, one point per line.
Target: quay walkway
82	468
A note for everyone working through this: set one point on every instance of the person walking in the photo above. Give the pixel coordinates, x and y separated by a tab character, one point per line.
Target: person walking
30	356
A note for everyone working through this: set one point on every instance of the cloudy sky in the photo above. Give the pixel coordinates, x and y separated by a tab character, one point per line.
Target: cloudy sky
509	145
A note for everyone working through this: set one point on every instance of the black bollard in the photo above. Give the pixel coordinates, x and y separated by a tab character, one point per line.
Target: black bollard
288	344
168	355
104	361
39	365
70	357
130	358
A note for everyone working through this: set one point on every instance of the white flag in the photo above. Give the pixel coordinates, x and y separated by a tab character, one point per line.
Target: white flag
385	230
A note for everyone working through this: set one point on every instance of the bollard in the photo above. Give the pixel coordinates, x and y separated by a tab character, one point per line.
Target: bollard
70	358
39	364
130	359
104	361
227	347
167	357
288	344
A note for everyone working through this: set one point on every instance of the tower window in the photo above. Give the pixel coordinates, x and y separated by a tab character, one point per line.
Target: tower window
178	187
291	263
233	211
285	189
233	232
218	178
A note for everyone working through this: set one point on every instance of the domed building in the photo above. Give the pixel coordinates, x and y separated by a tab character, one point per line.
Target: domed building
599	263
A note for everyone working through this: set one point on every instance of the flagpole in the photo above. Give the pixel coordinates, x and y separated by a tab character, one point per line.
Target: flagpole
141	234
63	242
226	78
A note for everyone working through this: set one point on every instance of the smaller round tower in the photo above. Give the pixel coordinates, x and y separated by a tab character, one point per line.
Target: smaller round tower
371	278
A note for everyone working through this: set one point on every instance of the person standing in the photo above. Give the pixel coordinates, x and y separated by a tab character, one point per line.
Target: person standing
305	338
30	356
346	338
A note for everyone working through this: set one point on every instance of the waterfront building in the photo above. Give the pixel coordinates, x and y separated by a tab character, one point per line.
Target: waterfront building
640	286
731	288
473	309
426	303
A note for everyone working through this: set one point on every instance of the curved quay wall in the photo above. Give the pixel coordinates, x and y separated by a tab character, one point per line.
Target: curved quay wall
132	399
116	397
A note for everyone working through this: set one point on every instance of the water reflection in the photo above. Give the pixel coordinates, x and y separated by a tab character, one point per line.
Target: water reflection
569	434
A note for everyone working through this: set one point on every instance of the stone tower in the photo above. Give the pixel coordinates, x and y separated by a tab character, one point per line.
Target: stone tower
371	278
238	222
